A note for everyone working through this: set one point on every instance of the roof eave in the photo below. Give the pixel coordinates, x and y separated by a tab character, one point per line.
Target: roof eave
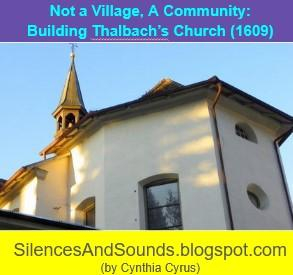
206	83
258	102
71	107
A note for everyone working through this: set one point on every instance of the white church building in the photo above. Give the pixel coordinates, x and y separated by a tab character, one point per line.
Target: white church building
202	156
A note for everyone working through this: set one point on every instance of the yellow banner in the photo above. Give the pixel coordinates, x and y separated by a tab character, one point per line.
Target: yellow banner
146	252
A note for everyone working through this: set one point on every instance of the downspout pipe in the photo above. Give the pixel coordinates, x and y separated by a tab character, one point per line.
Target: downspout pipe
279	139
221	158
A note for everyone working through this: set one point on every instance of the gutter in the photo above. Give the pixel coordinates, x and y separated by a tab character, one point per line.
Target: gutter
277	142
218	143
149	99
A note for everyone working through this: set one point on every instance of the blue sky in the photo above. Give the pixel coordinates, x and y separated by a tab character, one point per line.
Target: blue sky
32	77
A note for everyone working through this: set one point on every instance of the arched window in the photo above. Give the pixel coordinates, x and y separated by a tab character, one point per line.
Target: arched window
244	131
87	212
69	120
59	123
162	203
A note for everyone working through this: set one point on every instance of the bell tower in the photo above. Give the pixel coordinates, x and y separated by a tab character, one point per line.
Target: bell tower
71	107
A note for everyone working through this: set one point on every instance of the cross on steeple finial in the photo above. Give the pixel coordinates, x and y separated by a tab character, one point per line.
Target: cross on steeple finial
73	46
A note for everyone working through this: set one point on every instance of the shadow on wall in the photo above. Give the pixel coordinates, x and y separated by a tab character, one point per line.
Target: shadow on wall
189	142
84	178
180	142
84	168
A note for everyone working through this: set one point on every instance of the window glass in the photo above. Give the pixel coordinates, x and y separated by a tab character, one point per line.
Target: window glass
241	132
163	206
244	131
161	195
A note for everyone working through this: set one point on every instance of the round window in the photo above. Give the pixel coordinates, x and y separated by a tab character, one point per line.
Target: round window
257	196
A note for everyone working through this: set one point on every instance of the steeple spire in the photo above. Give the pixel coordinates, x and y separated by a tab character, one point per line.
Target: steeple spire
71	107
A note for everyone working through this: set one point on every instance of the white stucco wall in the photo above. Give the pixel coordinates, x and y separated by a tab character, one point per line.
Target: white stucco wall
112	162
25	199
87	176
44	196
247	162
52	194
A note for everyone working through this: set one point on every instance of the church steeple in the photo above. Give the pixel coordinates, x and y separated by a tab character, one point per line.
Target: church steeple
71	107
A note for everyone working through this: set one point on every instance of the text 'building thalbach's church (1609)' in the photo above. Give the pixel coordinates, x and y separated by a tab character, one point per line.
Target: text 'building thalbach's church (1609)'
202	156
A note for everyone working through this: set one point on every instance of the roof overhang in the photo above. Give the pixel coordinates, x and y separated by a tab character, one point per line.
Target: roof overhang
73	107
22	175
15	221
209	85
